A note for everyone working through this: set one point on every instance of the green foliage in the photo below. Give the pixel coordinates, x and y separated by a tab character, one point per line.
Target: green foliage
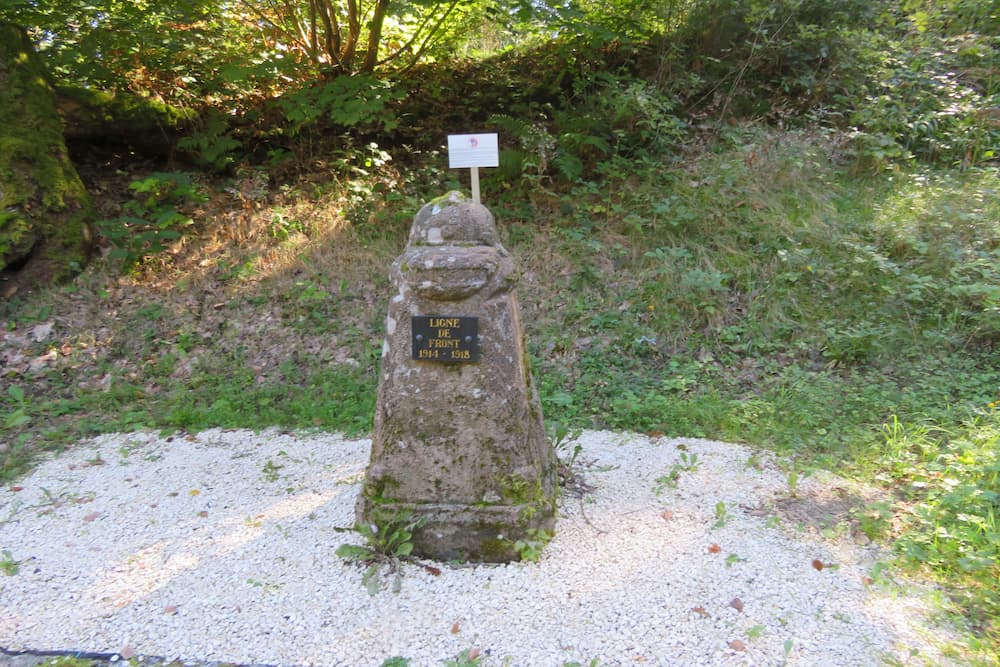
763	58
629	20
387	544
908	80
605	122
722	515
68	661
396	661
8	565
213	144
562	438
174	50
155	217
688	463
346	102
467	658
18	415
953	527
227	393
529	548
875	519
917	101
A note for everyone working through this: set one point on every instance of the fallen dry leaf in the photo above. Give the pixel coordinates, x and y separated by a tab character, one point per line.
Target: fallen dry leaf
737	645
867	581
454	628
700	611
819	565
194	492
436	571
203	513
714	549
91	516
736	604
15	489
667	515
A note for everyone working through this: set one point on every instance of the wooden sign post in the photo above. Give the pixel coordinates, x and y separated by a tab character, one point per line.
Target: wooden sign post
473	151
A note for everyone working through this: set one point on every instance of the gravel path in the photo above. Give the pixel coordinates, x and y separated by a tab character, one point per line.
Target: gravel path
220	546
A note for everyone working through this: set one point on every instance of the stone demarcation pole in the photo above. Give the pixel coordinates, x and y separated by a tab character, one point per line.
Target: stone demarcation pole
459	441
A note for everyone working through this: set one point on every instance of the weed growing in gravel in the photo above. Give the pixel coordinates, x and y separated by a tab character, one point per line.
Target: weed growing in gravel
530	547
395	661
8	565
566	442
468	658
722	515
688	463
270	471
388	543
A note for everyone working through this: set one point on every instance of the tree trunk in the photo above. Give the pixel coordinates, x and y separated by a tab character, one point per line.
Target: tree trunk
44	208
375	35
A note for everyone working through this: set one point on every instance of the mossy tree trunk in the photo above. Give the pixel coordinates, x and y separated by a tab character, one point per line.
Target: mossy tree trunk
44	208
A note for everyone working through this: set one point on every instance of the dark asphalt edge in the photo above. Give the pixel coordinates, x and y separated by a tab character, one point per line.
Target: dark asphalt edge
30	658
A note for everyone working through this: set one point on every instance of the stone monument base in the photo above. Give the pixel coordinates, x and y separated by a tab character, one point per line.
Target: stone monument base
450	532
458	441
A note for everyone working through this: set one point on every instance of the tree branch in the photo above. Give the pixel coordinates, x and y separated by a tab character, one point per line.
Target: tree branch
425	43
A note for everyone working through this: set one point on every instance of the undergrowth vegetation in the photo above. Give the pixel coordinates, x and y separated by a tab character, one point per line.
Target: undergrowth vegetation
776	225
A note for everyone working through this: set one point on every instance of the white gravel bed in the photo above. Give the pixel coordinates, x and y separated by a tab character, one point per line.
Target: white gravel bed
220	546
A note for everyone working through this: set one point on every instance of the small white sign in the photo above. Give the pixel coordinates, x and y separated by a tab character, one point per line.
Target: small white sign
473	150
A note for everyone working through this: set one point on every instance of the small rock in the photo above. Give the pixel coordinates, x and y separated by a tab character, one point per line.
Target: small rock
42	332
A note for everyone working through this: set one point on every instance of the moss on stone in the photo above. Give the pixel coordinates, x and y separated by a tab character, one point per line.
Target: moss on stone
495	549
144	124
